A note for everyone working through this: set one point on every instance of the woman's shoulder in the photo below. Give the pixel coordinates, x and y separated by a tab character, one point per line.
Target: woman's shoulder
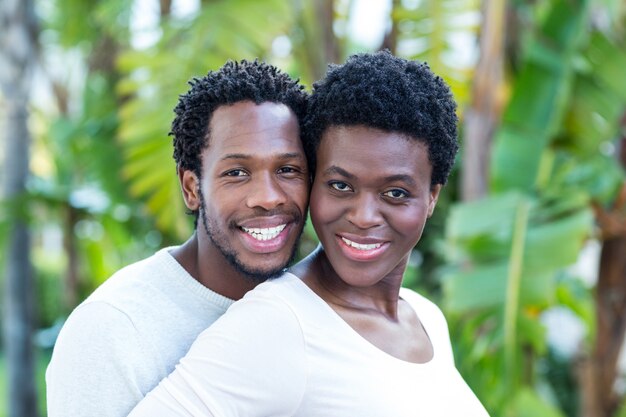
286	293
420	303
286	287
433	320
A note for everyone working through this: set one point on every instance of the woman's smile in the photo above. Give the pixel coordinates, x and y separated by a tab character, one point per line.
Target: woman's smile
370	200
362	249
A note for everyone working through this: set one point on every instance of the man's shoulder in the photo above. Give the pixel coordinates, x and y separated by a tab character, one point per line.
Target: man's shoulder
132	283
120	304
116	296
138	270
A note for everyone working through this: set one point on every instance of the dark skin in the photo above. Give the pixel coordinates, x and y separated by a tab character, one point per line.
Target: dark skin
254	176
369	203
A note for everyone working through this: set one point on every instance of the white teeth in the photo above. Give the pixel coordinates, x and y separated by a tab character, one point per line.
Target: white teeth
268	233
361	246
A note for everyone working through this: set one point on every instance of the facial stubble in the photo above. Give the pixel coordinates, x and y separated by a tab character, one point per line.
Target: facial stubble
220	240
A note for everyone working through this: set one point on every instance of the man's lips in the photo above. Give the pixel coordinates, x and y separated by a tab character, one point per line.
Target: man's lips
266	222
264	233
267	234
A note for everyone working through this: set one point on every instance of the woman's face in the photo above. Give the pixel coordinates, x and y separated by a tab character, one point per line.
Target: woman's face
370	200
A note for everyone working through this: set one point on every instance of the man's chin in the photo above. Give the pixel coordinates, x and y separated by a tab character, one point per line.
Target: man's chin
269	272
260	276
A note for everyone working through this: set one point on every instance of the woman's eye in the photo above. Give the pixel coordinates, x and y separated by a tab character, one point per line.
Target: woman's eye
340	186
396	193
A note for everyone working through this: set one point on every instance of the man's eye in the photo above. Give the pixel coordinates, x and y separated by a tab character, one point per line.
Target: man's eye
236	173
287	170
396	193
340	186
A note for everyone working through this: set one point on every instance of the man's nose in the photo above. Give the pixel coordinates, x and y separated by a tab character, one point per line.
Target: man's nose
266	192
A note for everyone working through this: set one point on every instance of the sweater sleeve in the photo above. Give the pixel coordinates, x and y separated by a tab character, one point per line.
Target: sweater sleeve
250	362
90	372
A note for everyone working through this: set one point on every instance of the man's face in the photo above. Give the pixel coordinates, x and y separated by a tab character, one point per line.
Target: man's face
253	193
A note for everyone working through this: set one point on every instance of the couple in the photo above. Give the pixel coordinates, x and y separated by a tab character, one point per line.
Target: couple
336	335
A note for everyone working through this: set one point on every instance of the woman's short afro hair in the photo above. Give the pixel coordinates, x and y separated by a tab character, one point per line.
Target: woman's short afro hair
255	81
385	92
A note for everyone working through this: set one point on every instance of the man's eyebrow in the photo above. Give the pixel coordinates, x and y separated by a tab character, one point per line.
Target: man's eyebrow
281	156
291	155
235	156
334	169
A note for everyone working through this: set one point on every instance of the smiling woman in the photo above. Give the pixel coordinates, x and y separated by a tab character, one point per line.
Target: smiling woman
338	335
370	200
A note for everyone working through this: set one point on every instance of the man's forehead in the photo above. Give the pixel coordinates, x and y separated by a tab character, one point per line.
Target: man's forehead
242	113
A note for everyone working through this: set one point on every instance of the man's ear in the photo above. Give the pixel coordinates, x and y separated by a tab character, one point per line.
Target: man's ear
189	184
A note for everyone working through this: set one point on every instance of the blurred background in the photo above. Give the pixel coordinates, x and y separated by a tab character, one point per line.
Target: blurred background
526	253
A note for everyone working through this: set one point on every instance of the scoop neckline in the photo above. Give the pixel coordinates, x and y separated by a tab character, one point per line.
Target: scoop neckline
335	317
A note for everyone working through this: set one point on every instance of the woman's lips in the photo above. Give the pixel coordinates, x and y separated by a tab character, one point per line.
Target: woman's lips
361	248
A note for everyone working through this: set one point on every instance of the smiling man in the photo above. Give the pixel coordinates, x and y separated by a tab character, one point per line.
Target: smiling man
244	177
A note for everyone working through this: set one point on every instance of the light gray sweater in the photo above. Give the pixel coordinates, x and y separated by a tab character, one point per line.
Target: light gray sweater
127	336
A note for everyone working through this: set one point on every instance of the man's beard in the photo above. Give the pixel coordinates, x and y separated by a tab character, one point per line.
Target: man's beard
219	239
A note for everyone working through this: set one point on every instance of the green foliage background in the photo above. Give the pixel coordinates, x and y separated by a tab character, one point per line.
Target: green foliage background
104	191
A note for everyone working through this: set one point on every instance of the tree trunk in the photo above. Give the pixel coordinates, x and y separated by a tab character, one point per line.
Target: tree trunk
610	321
165	8
484	112
598	372
390	41
17	52
326	16
316	46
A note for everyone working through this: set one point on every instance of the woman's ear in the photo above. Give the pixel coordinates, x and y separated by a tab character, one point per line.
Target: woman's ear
434	196
190	186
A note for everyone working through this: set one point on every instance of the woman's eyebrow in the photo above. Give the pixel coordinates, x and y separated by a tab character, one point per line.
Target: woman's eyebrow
401	177
391	178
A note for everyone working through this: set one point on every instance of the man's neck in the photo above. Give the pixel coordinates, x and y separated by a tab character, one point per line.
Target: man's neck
206	264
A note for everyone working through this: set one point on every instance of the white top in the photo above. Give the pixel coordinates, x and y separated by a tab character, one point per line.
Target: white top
127	336
282	351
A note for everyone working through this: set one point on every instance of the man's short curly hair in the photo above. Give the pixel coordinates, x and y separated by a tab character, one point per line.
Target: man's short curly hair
255	81
385	92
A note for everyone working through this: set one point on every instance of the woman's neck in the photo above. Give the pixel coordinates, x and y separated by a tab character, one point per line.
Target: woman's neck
380	298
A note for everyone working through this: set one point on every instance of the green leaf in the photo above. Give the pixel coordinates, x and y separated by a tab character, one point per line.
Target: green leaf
527	403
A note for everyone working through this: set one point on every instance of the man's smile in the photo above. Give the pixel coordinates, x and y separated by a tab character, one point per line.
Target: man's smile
267	233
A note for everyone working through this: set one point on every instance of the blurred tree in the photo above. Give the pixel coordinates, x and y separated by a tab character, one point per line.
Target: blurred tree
155	76
484	111
430	31
598	368
84	190
18	50
507	251
109	143
315	43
